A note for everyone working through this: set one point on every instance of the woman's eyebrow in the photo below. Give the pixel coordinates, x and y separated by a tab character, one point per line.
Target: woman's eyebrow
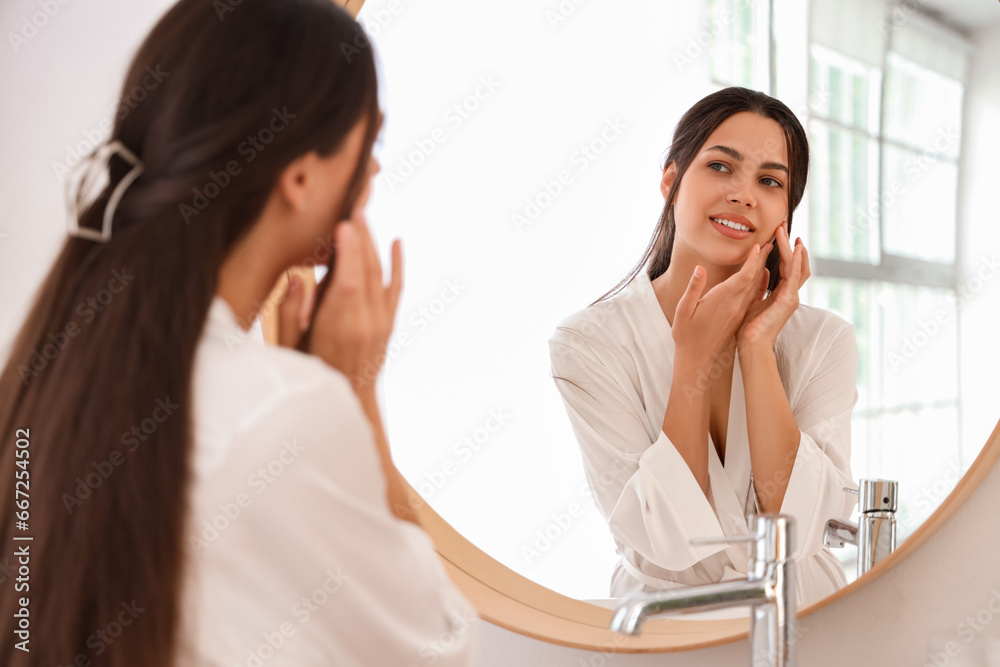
736	155
731	152
774	165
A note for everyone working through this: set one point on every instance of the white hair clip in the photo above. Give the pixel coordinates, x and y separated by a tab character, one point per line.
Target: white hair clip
104	153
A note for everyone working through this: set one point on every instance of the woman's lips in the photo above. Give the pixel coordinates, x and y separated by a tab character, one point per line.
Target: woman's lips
727	224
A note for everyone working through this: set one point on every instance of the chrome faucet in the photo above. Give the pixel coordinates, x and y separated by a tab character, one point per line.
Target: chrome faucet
769	590
875	534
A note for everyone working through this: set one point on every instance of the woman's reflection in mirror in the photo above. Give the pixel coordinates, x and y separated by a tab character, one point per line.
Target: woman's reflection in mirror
700	390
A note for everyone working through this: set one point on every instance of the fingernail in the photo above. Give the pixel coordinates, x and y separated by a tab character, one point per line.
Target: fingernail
294	283
698	272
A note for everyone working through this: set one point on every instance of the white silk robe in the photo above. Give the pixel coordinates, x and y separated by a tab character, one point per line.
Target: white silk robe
293	556
613	364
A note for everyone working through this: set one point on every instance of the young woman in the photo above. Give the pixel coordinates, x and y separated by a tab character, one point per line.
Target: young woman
193	496
701	391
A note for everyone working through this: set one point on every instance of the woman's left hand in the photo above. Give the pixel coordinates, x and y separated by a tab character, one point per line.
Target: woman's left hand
765	317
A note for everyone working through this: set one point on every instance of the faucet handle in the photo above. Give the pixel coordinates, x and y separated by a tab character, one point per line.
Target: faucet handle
772	538
876	495
753	537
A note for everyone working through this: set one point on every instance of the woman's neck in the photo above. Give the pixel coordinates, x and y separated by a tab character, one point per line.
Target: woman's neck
670	286
248	276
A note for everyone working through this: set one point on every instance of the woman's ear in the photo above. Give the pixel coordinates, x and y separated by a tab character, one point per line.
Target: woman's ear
667	181
295	182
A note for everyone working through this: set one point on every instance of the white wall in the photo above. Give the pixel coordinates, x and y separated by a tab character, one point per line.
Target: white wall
58	89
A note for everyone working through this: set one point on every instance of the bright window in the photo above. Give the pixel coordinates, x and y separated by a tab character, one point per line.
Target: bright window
880	224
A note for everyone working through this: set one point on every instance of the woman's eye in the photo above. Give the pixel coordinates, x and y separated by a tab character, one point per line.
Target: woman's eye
718	166
771	182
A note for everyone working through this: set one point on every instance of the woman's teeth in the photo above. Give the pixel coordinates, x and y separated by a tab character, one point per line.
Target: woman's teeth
731	224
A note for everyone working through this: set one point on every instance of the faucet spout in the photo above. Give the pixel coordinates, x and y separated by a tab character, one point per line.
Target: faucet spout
769	591
633	609
837	533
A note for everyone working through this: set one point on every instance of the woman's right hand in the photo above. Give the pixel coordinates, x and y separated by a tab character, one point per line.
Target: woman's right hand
351	330
354	321
704	325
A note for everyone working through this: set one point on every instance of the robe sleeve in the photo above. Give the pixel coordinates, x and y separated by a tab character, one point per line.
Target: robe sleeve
822	407
640	483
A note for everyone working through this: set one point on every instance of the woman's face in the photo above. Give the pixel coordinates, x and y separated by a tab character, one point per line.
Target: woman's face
337	171
735	192
305	206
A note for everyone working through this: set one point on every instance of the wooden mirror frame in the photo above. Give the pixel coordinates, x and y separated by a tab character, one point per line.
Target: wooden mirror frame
516	603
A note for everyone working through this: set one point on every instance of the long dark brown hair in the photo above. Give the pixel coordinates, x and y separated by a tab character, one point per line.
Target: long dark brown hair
107	350
691	133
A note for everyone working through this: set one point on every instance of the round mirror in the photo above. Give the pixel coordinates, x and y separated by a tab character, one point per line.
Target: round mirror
521	165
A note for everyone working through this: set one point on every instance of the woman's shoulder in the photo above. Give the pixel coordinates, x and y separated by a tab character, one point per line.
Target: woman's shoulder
237	367
814	337
811	322
245	390
610	320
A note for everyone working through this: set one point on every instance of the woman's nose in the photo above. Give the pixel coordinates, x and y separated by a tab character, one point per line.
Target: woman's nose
742	194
